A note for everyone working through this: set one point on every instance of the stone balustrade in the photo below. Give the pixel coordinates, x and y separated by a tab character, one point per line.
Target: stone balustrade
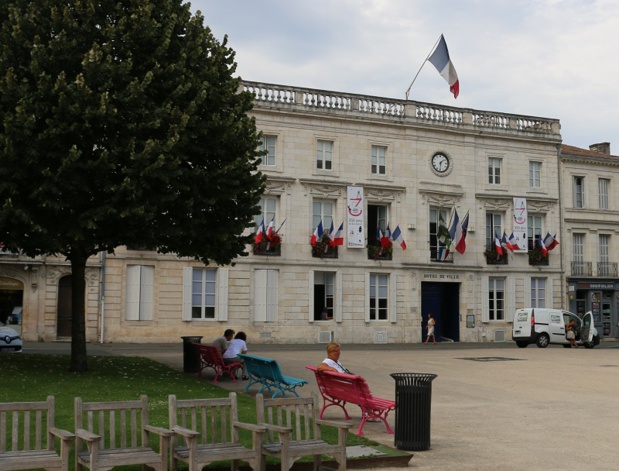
402	111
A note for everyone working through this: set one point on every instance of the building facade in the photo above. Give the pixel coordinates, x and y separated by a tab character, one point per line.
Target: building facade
369	165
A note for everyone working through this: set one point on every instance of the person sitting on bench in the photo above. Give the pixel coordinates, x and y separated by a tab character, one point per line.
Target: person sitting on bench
332	362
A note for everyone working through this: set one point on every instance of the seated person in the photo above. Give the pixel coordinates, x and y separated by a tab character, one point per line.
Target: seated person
324	315
332	362
222	342
237	346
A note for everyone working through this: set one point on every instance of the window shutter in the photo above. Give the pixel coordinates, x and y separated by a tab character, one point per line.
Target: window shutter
147	281
485	316
272	295
527	291
549	301
338	297
222	294
260	295
132	300
510	301
310	290
187	277
393	295
367	297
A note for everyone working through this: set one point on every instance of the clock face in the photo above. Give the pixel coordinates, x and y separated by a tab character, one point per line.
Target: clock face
440	163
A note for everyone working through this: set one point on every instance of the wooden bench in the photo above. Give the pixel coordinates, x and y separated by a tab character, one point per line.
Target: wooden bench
293	431
28	437
266	371
208	430
210	357
111	434
337	389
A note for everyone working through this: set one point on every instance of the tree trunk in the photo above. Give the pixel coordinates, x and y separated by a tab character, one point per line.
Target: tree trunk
79	363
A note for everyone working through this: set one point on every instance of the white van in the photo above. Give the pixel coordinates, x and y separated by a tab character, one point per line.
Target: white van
545	326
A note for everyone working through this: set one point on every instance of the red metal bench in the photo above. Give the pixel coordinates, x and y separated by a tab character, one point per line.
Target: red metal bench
337	389
210	357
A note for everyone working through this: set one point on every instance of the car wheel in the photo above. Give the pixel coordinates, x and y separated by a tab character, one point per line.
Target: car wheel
522	344
542	340
566	345
589	345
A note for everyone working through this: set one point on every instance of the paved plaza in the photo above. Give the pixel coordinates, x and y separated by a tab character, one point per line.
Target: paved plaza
494	406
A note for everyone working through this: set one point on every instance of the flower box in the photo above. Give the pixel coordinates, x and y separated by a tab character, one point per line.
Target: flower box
324	248
537	257
377	252
269	245
493	257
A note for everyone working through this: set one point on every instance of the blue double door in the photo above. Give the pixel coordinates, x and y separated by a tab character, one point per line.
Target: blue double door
443	301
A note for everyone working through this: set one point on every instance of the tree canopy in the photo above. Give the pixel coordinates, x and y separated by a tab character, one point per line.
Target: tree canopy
122	124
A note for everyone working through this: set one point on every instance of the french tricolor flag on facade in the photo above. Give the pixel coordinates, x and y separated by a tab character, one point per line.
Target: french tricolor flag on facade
440	59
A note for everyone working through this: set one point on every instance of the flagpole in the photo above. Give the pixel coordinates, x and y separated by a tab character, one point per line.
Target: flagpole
422	64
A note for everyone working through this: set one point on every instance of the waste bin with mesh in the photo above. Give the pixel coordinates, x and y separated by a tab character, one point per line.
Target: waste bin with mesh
191	355
413	398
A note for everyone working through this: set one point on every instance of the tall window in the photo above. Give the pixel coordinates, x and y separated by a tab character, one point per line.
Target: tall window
493	226
535	173
139	301
379	166
496	299
534	230
579	192
603	265
379	297
268	143
578	257
324	292
322	211
435	215
268	211
324	151
494	171
538	292
377	219
603	186
265	295
203	289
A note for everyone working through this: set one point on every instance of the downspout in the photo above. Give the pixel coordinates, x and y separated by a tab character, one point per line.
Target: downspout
102	297
560	177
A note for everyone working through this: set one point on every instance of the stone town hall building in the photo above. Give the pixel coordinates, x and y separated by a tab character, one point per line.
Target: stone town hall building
365	162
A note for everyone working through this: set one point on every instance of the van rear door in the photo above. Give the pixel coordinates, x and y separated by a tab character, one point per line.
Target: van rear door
586	332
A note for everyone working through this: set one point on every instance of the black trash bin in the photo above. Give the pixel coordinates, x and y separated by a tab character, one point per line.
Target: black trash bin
413	398
191	355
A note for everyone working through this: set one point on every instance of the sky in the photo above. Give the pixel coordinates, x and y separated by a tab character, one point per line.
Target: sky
543	58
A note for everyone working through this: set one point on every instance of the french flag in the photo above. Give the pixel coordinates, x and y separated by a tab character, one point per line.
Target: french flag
397	237
513	242
338	237
259	233
270	228
440	59
542	246
497	244
461	231
550	241
317	234
506	243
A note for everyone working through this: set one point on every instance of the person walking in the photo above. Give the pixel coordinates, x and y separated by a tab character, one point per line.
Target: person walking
430	327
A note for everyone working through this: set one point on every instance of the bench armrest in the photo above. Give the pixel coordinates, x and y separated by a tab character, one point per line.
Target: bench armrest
276	428
163	432
86	435
185	432
62	434
335	423
250	427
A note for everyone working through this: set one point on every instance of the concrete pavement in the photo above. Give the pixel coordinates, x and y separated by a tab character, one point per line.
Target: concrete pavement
494	406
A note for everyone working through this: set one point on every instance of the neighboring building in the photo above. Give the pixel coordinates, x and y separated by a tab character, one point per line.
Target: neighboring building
591	224
368	163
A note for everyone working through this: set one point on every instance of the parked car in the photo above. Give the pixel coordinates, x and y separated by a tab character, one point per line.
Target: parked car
10	341
547	326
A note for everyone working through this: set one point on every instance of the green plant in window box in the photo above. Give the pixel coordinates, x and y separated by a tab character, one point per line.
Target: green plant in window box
493	257
269	245
537	257
324	247
383	251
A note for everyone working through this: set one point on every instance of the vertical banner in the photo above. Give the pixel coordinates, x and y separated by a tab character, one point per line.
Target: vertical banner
521	225
355	216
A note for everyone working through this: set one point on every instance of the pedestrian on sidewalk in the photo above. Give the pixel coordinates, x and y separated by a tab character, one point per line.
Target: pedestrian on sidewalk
430	327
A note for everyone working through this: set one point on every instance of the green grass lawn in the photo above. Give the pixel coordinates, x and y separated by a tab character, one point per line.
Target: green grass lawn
32	377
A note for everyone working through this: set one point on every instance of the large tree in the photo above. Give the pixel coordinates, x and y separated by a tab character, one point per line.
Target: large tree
121	124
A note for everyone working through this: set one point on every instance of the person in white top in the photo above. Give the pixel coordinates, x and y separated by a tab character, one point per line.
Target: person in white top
237	345
332	362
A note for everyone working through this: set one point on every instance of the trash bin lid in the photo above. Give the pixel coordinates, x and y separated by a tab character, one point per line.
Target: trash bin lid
412	378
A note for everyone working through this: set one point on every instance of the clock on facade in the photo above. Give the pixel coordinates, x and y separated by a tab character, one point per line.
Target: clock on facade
440	163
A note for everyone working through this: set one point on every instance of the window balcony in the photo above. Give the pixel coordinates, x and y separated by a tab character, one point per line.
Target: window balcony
269	245
493	257
323	248
607	269
377	252
537	257
582	269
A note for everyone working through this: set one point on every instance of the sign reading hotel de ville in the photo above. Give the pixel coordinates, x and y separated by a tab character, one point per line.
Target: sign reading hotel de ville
521	224
355	214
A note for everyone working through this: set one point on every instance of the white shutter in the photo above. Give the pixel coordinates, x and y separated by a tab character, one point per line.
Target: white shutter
527	291
485	316
310	290
260	295
147	281
222	294
132	298
510	298
367	297
549	301
338	297
187	279
272	295
393	298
